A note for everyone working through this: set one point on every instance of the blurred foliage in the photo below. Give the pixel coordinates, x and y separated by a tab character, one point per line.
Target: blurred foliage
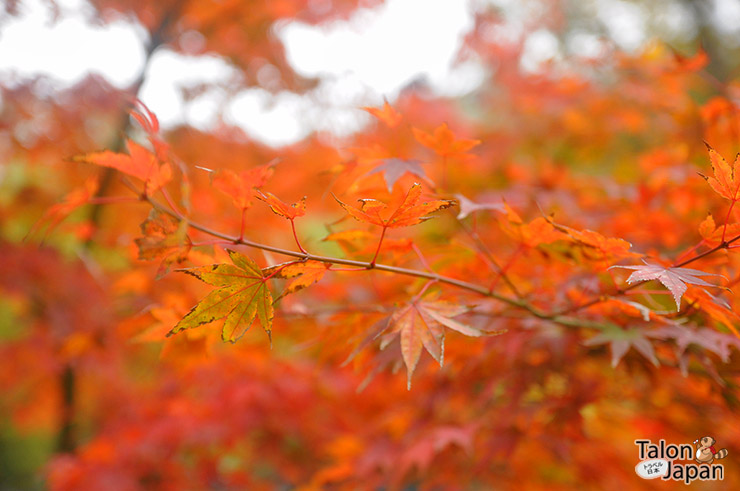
584	149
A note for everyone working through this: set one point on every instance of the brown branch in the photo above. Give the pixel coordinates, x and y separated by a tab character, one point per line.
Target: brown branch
480	290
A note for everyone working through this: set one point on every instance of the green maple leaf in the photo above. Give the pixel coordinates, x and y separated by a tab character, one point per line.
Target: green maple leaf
241	297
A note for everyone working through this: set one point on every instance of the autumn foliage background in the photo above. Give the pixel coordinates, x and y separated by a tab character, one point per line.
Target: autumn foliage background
553	363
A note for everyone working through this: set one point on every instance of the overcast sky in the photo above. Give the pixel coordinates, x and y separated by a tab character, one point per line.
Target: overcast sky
360	62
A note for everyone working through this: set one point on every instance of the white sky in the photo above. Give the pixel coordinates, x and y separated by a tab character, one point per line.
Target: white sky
359	62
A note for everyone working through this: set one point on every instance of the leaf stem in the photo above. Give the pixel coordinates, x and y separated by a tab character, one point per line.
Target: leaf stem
727	217
506	266
243	224
380	242
421	293
171	203
421	257
295	236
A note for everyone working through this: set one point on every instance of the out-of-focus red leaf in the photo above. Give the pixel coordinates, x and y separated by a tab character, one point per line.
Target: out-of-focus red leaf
444	143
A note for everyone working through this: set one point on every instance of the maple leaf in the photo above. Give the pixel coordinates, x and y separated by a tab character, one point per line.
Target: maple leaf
725	182
594	240
707	227
165	237
421	325
716	342
281	208
386	114
149	123
305	273
675	279
421	453
410	211
713	235
532	234
708	339
58	212
242	296
621	340
716	308
468	206
394	168
442	141
241	187
139	163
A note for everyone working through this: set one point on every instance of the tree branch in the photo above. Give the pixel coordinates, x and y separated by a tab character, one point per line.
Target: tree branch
480	290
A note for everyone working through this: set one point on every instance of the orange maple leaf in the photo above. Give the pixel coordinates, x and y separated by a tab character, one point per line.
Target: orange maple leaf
725	181
386	114
305	273
241	187
591	240
713	235
139	163
279	207
443	141
410	212
538	231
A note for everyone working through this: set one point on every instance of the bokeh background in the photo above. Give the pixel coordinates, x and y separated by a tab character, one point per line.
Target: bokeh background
596	110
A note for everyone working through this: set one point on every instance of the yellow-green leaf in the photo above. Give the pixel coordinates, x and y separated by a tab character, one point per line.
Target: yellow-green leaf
242	296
